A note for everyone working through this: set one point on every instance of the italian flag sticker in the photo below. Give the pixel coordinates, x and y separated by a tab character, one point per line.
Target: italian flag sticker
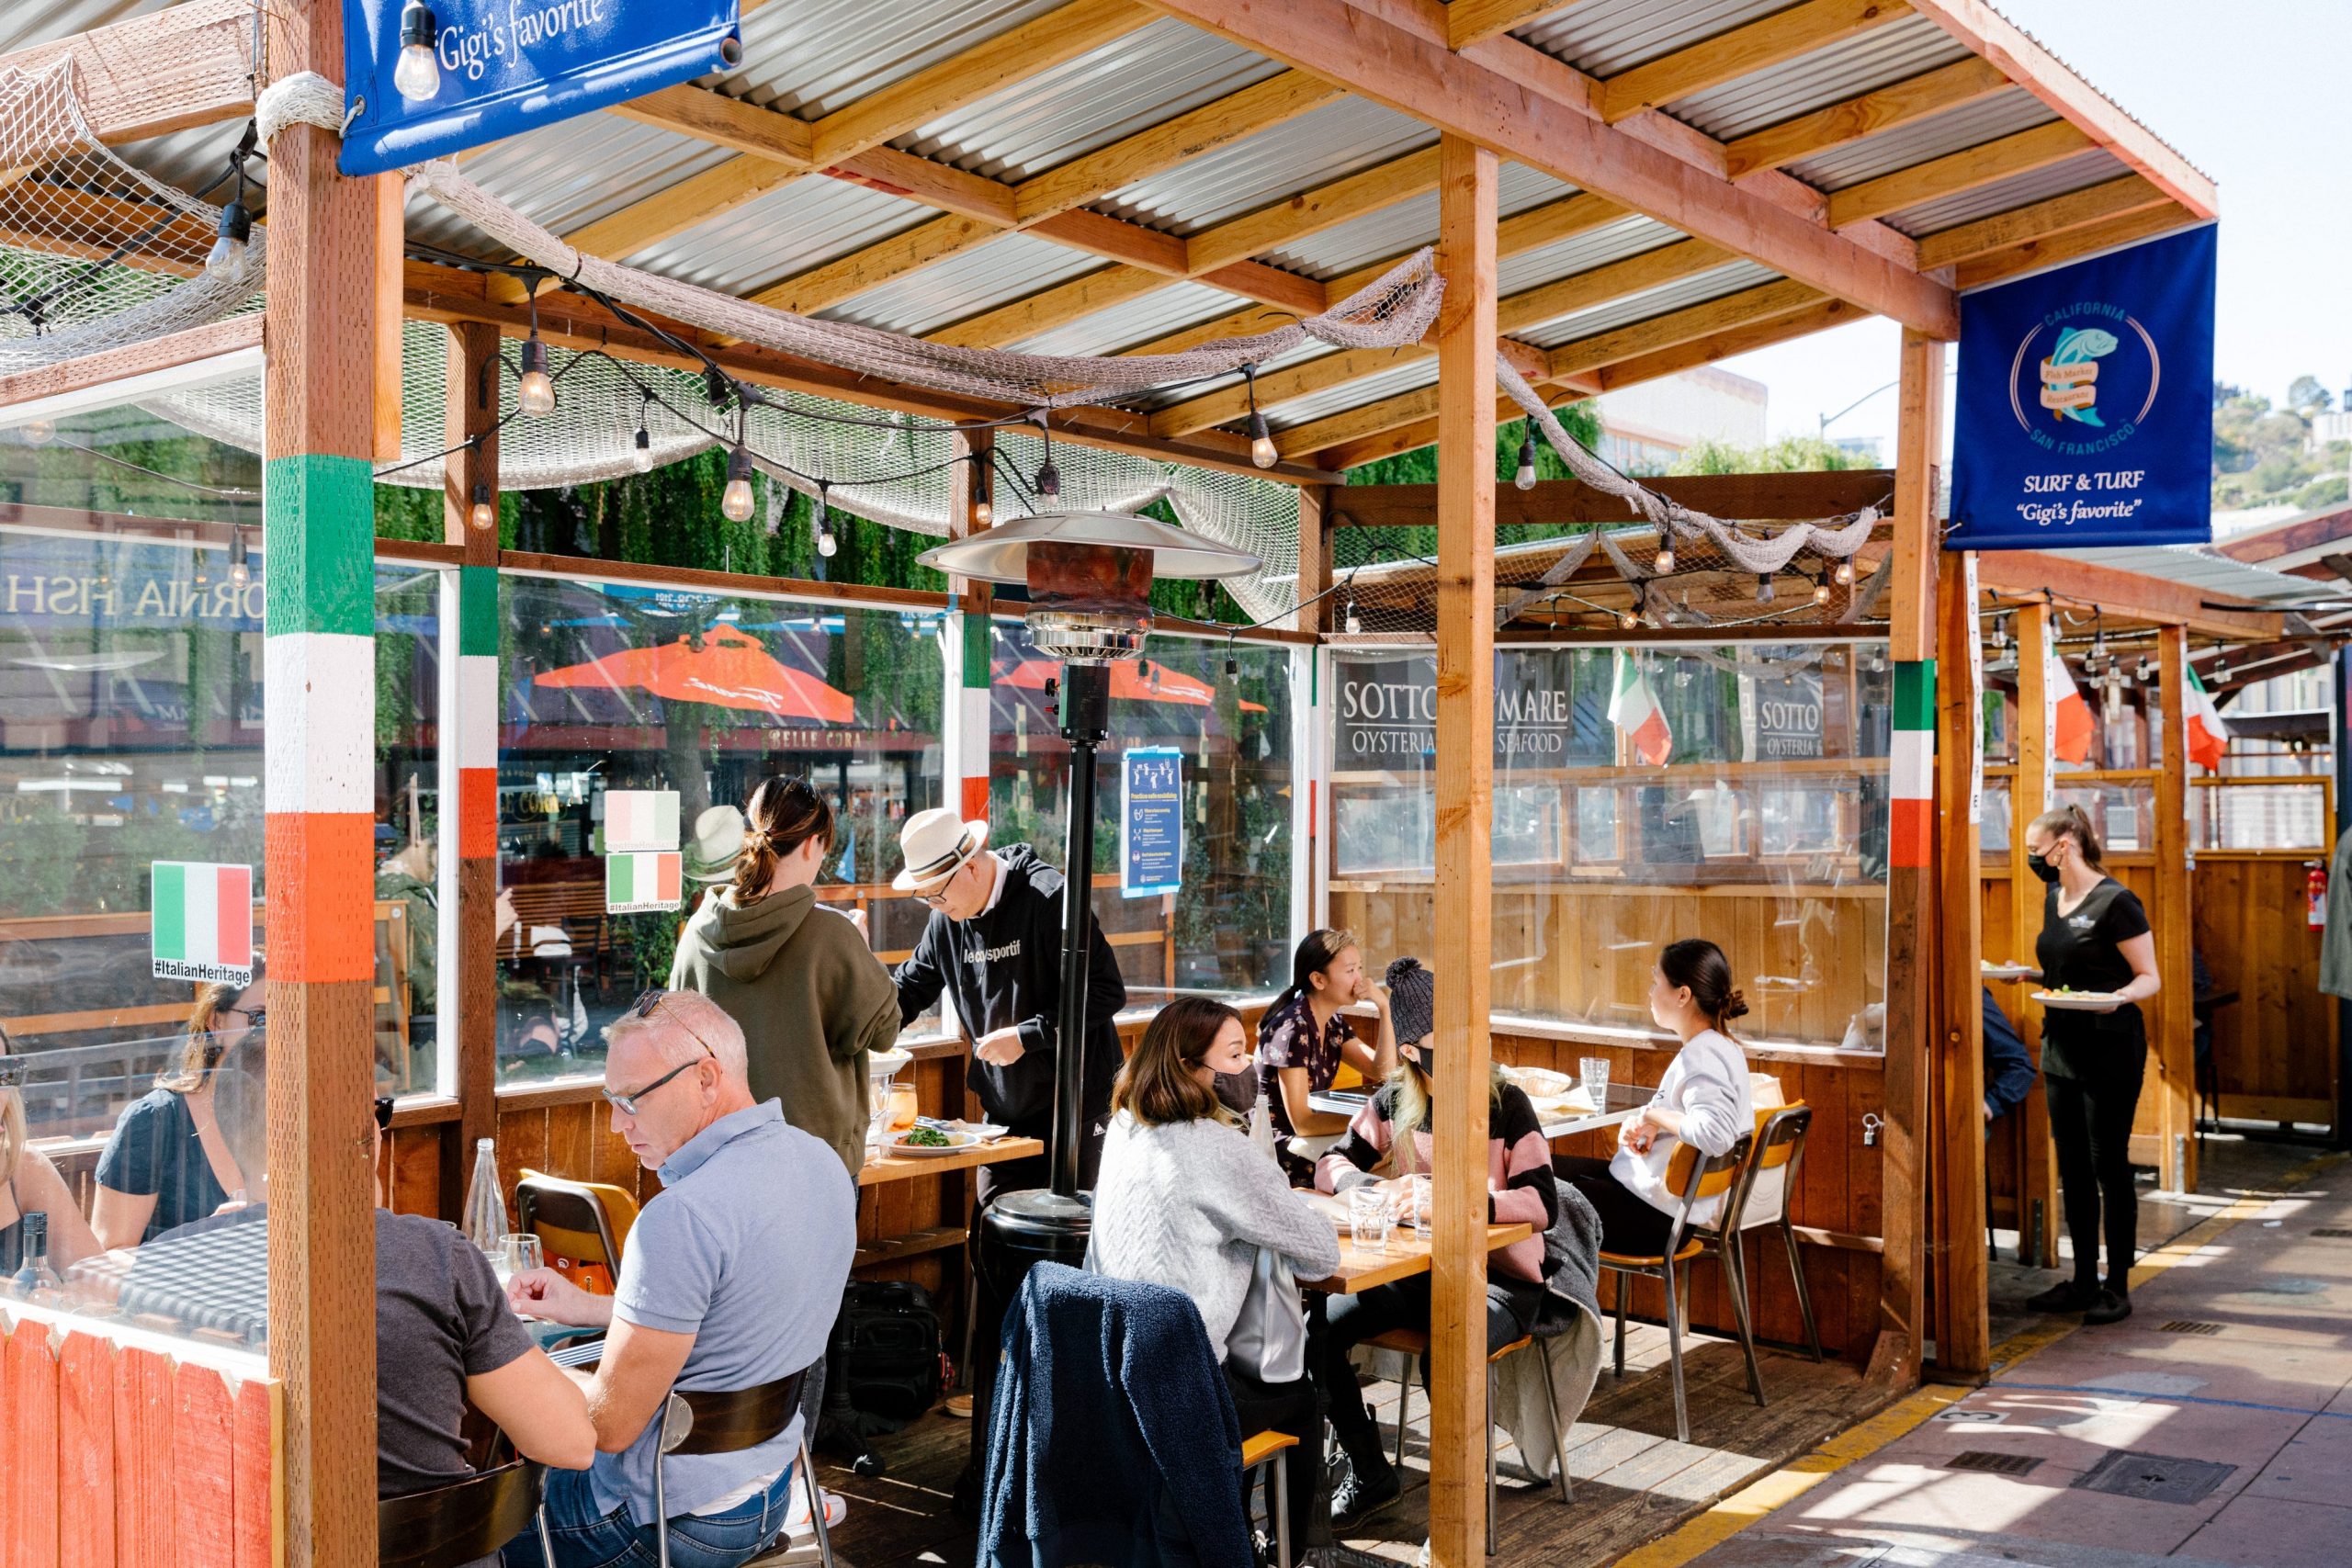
640	819
2207	736
1632	708
203	922
1911	765
639	882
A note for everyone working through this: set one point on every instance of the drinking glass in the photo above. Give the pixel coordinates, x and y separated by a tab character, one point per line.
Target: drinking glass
1419	1188
1593	1073
524	1253
903	1109
1369	1217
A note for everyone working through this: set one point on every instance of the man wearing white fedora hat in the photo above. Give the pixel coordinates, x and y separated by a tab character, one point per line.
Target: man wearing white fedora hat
994	945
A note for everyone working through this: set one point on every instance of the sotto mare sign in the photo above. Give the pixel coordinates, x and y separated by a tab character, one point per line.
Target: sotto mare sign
1387	711
504	66
2084	414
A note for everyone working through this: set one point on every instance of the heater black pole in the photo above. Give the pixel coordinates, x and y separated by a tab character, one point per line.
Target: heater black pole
1085	723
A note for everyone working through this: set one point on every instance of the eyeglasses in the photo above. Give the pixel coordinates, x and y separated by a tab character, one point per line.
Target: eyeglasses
626	1104
937	898
257	1018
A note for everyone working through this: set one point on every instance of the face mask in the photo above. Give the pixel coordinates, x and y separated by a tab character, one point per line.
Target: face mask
2040	868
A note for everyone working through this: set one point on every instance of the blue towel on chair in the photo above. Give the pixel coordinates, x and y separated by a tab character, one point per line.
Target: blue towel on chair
1111	1438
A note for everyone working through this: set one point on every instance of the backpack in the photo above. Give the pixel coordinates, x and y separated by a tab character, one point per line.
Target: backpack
887	1361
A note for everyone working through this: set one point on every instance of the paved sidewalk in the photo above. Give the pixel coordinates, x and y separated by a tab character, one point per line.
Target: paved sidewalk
2213	1427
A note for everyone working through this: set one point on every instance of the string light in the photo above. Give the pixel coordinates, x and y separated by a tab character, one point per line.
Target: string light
417	75
1663	562
827	545
1764	589
483	515
2145	673
1525	479
241	571
2221	671
1843	572
534	389
203	573
983	511
230	256
1049	480
1354	622
38	432
1821	587
1630	619
1261	439
1999	637
642	456
735	503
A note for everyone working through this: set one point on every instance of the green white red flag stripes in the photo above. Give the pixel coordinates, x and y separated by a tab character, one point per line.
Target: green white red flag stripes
1632	708
319	658
203	921
974	712
2070	716
1911	764
2207	736
644	881
477	727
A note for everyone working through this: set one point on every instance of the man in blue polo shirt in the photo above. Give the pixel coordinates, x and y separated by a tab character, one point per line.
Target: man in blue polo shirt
731	1279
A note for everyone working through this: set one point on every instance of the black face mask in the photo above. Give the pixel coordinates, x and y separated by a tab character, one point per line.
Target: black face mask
2040	868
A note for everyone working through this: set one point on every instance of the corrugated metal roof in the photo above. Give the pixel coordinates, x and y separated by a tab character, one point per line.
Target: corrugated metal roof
25	23
2019	190
2001	115
1603	38
1322	145
804	224
1090	102
1876	58
995	274
1157	313
1706	286
1409	374
2199	566
192	160
1595	247
558	177
811	57
1405	226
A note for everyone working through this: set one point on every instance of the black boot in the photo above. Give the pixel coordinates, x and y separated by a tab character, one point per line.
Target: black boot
2113	1305
2073	1295
1369	1486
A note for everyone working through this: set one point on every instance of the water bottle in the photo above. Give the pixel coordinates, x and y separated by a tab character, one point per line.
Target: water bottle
36	1281
485	1208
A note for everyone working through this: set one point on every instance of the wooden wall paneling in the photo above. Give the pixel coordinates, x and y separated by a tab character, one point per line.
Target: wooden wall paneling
142	1457
414	1171
84	1452
259	1419
28	1530
204	1498
2274	1049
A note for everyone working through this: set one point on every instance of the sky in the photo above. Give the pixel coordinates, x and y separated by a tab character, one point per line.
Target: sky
2258	94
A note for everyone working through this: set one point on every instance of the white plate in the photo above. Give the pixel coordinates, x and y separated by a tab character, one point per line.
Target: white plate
2010	970
1541	1083
882	1064
2082	1001
896	1144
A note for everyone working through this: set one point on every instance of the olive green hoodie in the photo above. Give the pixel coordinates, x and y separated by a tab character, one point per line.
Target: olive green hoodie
811	997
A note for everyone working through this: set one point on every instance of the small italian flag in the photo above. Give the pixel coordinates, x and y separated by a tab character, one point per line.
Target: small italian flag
2070	716
2207	736
1911	765
203	922
1634	709
640	819
975	712
639	882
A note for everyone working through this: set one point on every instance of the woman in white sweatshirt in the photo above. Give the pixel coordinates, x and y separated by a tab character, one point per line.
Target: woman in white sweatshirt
1186	1201
1702	1100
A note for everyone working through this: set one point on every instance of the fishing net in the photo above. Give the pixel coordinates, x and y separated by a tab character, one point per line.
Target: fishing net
93	254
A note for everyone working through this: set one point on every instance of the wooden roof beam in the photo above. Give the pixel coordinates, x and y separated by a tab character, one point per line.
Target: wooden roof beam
1599	285
1824	130
189	65
1475	21
1769	41
1987	32
1311	212
1955	172
2043	220
1276	388
1404	68
2131	595
1256	108
2089	240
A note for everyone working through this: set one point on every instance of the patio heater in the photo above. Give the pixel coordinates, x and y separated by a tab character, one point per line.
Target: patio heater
1089	576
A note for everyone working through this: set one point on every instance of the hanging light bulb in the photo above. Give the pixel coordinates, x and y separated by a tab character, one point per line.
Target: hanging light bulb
1629	620
983	511
827	545
1525	479
2221	671
735	503
1232	665
1354	622
106	573
641	456
2145	673
241	571
1843	572
2000	634
201	574
1764	589
232	256
534	389
417	75
1821	587
38	432
1049	479
483	513
1663	562
1261	439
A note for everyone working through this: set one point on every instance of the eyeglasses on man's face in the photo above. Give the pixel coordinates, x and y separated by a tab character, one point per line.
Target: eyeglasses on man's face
647	1002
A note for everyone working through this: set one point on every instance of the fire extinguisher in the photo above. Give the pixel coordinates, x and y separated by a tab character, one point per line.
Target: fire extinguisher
2315	893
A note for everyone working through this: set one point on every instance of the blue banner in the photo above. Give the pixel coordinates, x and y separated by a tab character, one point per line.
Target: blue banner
2084	414
500	67
1152	827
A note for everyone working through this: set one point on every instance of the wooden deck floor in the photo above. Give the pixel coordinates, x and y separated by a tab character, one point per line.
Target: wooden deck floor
1631	1480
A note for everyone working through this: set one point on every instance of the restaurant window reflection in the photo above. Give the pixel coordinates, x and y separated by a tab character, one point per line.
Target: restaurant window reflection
608	687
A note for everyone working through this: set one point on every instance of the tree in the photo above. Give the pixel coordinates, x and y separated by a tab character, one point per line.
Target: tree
2307	396
1790	454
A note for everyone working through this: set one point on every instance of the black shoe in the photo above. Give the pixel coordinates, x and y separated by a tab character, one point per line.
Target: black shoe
965	1504
2112	1307
1359	1496
2072	1296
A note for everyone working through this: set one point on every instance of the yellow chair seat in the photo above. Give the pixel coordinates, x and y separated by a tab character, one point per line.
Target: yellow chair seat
1264	1446
1630	1260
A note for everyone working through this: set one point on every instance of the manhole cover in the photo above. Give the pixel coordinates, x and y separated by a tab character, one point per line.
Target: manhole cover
1991	1463
2288	1285
2187	1325
2333	1232
2155	1477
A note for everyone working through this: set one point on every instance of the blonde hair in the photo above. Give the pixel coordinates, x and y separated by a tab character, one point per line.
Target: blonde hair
1157	1084
1412	1083
781	815
200	1046
2075	823
12	1120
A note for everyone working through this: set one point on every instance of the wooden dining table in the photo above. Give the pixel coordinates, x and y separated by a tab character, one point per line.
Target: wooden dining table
1407	1254
879	1168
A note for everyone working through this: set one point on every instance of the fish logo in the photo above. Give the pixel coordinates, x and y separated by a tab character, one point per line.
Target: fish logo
2070	376
2080	362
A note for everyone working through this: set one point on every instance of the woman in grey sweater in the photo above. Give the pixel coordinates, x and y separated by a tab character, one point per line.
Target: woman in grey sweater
1186	1201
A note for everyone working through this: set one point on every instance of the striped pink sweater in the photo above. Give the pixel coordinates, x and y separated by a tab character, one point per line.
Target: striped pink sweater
1520	1187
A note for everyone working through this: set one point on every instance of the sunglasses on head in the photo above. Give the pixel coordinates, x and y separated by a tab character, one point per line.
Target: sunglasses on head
644	1006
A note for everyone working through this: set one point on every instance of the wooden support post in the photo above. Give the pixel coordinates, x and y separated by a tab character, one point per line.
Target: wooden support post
2173	1038
1466	750
1963	1328
1314	557
972	627
1913	950
470	969
2029	797
319	651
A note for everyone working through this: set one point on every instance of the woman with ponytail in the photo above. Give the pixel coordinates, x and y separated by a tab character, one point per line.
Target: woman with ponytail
1702	1100
1303	1038
166	1163
2095	937
811	997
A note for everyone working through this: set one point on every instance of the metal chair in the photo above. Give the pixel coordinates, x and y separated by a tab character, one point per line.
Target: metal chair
587	1221
1274	1448
1414	1344
1699	1178
463	1521
699	1421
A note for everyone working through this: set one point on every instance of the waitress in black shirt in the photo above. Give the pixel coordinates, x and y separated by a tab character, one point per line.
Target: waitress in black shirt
2095	936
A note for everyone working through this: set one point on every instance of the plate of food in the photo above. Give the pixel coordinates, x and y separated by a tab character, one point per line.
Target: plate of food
1540	1083
927	1142
2065	998
883	1064
1993	971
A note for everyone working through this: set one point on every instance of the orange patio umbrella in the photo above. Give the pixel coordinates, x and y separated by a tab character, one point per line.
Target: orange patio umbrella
732	669
1142	681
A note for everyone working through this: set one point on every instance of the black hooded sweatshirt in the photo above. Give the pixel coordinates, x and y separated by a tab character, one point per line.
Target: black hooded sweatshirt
1003	969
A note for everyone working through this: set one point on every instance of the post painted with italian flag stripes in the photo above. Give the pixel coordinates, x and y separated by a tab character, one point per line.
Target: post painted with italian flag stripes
973	713
1911	765
318	504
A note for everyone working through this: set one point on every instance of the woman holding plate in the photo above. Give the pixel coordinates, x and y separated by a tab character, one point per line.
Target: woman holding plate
2095	942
